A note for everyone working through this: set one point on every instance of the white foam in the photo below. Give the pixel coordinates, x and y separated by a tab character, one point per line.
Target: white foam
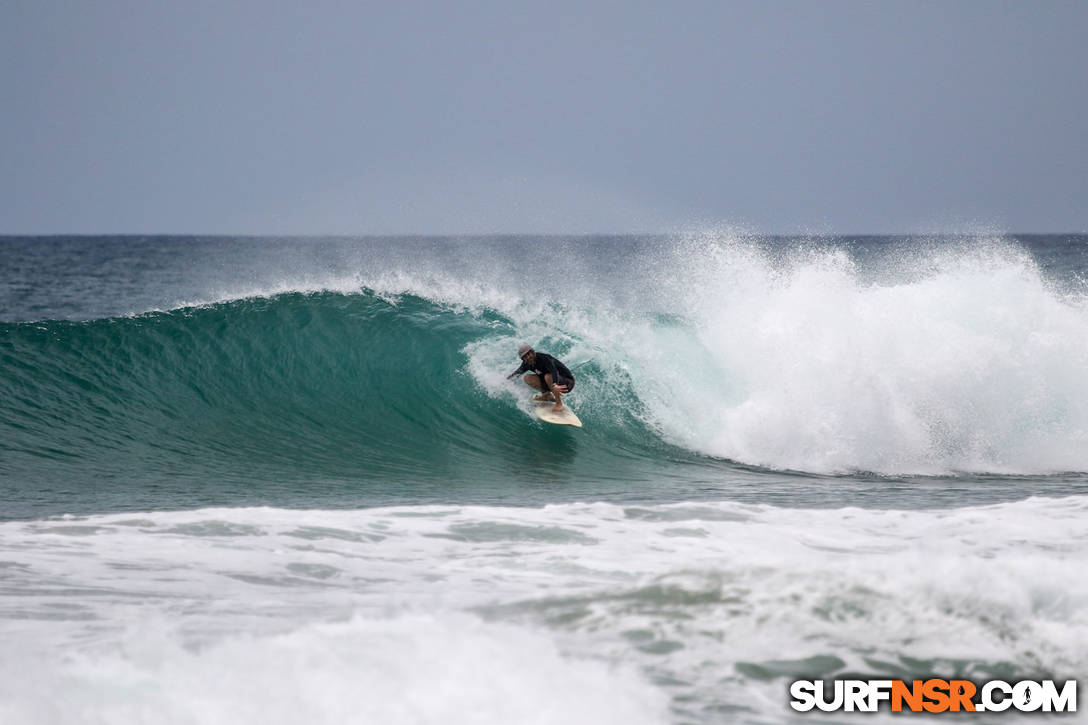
947	359
451	668
974	366
414	614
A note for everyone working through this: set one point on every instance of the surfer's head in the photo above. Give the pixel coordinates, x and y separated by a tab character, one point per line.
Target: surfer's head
525	352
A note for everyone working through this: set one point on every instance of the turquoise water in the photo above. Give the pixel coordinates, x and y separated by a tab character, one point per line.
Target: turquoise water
862	454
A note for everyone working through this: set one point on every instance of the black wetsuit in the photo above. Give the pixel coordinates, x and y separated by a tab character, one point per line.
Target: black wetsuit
545	364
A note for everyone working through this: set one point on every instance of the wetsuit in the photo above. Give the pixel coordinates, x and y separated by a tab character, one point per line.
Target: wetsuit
544	364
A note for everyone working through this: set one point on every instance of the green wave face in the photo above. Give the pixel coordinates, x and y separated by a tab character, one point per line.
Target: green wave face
360	397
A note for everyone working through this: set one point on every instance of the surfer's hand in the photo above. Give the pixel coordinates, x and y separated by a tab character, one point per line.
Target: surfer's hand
561	388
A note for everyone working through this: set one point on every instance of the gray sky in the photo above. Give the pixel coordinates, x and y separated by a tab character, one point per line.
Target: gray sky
443	117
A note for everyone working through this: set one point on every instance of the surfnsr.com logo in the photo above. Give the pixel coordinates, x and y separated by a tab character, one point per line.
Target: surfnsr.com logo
933	696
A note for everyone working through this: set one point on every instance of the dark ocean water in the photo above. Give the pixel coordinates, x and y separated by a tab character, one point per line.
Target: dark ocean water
240	449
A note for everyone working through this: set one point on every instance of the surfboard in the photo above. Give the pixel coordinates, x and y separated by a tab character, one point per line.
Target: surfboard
543	410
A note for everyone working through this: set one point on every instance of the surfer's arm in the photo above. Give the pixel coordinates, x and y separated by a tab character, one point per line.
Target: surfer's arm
517	372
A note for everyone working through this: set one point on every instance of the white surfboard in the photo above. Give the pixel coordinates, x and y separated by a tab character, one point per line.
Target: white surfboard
543	410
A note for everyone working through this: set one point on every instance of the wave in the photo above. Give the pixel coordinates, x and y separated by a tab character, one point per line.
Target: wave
938	362
292	387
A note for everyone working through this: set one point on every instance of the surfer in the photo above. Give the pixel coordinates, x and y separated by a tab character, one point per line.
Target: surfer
550	377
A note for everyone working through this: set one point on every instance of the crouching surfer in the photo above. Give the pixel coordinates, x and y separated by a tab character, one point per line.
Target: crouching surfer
549	376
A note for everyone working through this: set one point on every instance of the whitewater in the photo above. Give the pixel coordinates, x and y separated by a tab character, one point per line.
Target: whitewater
283	480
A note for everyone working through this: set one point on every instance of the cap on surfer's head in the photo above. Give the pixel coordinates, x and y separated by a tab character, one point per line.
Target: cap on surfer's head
524	350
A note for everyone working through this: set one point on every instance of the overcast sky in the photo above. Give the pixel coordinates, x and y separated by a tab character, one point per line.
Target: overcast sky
271	117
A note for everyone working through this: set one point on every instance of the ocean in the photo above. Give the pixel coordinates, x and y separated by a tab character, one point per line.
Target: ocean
269	480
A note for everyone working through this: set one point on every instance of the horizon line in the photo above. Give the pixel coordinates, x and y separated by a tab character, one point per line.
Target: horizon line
458	235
